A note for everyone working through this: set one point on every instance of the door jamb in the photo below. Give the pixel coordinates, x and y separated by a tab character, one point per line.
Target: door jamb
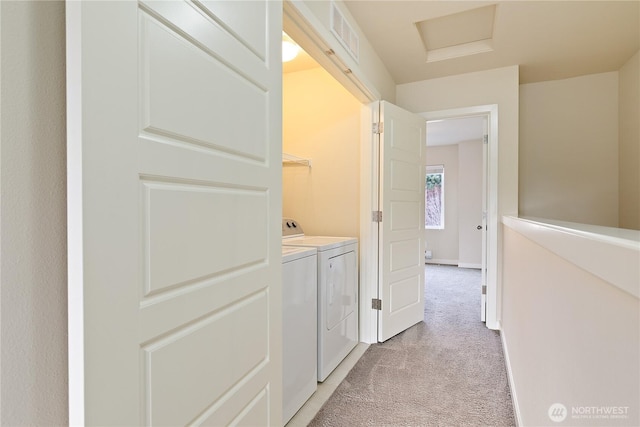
369	195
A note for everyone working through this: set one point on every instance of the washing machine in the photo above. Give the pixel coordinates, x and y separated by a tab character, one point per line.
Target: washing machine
299	327
337	293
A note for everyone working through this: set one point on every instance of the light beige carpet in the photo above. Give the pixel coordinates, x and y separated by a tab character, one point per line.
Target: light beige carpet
446	371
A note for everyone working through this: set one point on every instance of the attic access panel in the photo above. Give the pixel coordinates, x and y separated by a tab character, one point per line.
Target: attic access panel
460	34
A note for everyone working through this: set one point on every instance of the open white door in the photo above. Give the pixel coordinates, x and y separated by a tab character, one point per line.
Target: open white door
401	231
174	209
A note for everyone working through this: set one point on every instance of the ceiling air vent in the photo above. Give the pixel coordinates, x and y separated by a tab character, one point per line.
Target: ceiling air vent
343	31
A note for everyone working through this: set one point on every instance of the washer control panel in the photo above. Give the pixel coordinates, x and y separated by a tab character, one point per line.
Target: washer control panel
291	227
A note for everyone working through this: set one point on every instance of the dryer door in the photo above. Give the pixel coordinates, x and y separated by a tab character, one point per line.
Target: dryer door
342	288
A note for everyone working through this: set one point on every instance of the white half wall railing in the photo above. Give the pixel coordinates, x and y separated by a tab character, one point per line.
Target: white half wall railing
613	254
571	322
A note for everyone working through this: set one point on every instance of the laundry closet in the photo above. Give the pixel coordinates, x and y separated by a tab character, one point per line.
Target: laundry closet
321	199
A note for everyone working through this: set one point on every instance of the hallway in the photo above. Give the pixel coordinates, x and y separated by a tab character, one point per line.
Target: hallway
447	370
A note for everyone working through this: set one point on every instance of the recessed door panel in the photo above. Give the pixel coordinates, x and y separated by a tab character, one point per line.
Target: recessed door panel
193	233
405	254
405	175
186	373
402	132
404	293
179	102
404	215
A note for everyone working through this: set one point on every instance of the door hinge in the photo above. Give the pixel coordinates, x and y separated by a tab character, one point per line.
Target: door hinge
484	289
485	139
376	304
378	128
376	216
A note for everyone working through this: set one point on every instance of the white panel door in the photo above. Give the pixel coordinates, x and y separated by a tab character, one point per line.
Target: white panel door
401	242
174	193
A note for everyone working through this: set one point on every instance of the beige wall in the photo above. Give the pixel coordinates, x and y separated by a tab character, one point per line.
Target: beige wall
444	243
463	205
570	337
569	149
321	122
629	148
33	389
498	86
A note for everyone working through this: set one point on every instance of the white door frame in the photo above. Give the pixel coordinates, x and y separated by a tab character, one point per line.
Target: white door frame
369	230
491	112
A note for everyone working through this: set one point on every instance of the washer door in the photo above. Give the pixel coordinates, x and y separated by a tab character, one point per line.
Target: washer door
342	288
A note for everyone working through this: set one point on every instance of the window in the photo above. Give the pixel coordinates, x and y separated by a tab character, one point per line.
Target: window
434	198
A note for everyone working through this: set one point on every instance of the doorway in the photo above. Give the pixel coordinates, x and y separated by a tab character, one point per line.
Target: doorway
455	193
488	290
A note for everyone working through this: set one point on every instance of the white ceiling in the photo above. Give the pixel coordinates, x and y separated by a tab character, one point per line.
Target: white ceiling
454	131
550	40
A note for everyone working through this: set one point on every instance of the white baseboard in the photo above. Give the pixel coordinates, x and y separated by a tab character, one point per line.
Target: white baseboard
469	265
441	261
512	387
